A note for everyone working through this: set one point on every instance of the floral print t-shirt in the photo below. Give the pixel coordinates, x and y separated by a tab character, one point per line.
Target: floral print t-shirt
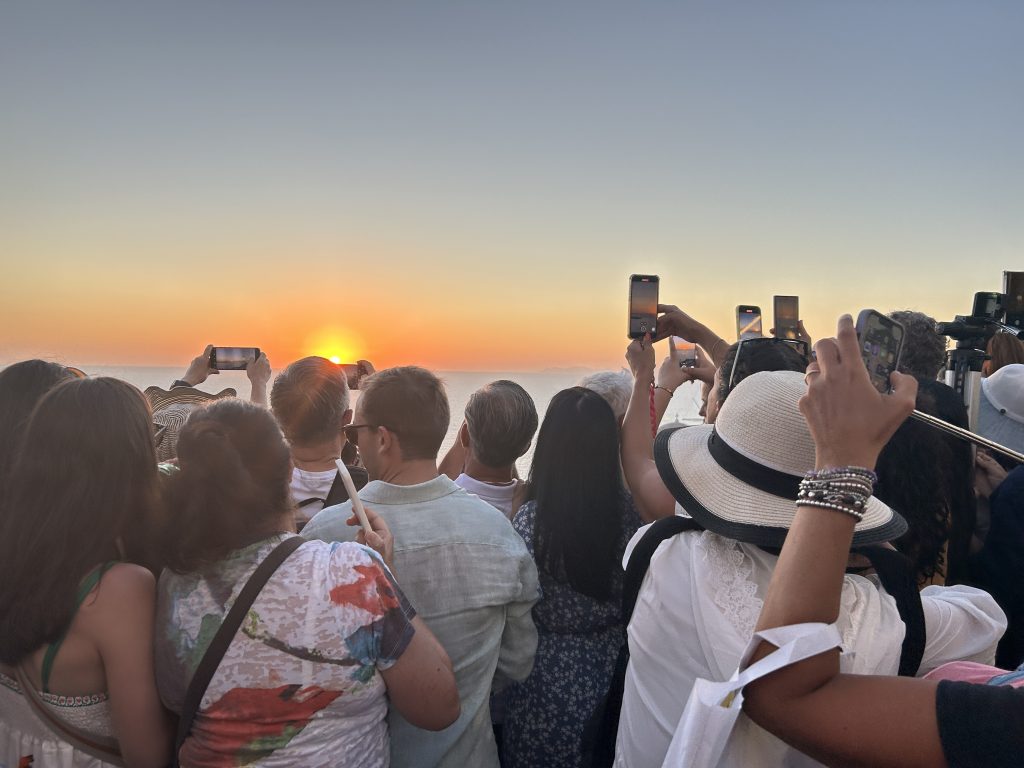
300	683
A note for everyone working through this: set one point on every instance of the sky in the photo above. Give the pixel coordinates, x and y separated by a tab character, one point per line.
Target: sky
468	186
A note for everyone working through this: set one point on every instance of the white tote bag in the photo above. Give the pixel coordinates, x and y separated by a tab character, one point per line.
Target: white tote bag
713	708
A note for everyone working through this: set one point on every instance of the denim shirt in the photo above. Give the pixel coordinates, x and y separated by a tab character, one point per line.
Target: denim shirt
470	578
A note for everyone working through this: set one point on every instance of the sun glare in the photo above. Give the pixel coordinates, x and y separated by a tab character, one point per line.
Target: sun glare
336	344
335	359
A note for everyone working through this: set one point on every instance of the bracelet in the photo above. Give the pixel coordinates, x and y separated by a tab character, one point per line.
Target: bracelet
670	391
844	472
858	516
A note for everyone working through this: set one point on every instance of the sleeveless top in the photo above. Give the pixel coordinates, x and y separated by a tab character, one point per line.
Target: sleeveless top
23	734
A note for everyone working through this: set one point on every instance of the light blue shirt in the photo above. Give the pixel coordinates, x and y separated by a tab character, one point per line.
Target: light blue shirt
470	578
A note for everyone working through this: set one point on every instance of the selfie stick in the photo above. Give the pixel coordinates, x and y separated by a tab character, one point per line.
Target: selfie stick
952	429
357	503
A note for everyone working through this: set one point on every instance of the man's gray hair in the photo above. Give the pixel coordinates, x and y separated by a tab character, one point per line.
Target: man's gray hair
501	418
614	386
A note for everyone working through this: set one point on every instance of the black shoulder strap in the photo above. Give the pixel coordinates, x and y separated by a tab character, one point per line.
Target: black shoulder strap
338	494
897	576
640	557
228	629
602	727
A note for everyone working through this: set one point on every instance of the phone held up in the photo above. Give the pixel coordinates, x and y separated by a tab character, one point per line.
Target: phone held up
748	322
232	358
683	352
881	341
354	373
1013	298
787	317
643	305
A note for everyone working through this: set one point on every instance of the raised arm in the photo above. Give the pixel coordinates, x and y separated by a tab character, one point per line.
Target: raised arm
653	500
840	719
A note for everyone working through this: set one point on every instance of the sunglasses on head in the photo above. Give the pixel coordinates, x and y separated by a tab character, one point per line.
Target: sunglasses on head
801	347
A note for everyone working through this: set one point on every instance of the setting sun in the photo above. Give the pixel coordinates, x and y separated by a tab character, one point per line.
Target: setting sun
339	345
335	359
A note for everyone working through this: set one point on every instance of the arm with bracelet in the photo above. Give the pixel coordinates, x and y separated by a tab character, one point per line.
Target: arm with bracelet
836	718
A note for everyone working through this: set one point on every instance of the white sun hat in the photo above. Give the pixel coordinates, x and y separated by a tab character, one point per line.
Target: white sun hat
739	477
1001	412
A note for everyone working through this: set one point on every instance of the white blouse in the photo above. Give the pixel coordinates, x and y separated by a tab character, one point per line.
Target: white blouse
696	613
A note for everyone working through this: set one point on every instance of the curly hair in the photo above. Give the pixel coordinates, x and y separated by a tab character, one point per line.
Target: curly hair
924	349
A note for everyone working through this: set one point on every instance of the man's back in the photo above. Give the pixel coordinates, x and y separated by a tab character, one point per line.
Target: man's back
470	578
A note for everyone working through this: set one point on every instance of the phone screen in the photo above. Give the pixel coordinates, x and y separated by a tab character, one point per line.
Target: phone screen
1013	289
685	352
748	322
787	317
643	305
881	340
232	358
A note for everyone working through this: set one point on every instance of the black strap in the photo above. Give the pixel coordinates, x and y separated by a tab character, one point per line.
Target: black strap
228	629
896	573
338	494
603	725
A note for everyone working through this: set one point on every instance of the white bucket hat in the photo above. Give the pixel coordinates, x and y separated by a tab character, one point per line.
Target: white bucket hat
1001	413
739	477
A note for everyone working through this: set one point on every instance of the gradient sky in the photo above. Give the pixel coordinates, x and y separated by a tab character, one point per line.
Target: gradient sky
469	185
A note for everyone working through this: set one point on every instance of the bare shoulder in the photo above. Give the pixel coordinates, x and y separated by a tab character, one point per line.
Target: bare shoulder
123	585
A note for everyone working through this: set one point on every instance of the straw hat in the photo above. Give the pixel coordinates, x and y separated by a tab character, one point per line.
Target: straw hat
739	477
1001	413
171	419
161	398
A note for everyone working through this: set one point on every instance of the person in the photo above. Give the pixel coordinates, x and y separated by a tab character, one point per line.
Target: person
815	705
304	681
614	386
928	476
924	349
78	622
576	523
21	387
699	600
171	407
500	421
1003	349
1001	407
653	499
310	400
463	566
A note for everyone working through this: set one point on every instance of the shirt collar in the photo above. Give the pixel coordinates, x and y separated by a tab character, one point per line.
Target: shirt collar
379	492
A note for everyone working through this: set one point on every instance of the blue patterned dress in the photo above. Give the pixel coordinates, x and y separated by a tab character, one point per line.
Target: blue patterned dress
578	642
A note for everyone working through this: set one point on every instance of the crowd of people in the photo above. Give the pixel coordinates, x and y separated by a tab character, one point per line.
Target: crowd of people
184	578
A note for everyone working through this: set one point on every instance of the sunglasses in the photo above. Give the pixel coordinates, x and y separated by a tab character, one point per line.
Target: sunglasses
800	347
352	431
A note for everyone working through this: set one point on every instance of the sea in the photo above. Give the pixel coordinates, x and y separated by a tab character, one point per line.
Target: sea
460	385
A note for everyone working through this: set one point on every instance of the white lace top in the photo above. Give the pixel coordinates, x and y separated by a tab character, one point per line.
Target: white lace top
696	613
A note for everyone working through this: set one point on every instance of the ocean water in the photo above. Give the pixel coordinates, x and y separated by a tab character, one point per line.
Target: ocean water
460	385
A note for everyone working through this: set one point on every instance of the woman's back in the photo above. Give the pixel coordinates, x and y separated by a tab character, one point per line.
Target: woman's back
299	684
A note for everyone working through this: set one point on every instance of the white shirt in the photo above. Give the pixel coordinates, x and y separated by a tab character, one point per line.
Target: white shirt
498	496
310	485
696	613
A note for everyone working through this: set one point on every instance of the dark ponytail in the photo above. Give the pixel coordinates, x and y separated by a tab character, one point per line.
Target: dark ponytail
232	487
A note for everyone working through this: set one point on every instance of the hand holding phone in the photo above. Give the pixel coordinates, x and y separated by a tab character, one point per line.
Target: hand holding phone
232	358
643	305
683	352
881	341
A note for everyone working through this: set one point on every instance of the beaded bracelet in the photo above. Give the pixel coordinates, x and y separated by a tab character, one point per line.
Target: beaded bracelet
844	472
837	507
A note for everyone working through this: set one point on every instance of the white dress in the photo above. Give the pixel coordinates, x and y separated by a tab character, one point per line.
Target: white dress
23	735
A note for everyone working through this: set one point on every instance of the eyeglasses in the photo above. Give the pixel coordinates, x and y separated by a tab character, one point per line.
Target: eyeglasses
799	346
352	431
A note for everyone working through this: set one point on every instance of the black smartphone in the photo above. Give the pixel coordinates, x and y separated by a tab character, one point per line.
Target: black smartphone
643	305
684	352
1013	298
748	322
881	341
232	358
787	317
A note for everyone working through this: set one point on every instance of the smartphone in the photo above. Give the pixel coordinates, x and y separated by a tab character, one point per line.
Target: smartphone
1013	301
353	373
232	358
881	341
988	305
643	305
684	352
748	322
787	317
